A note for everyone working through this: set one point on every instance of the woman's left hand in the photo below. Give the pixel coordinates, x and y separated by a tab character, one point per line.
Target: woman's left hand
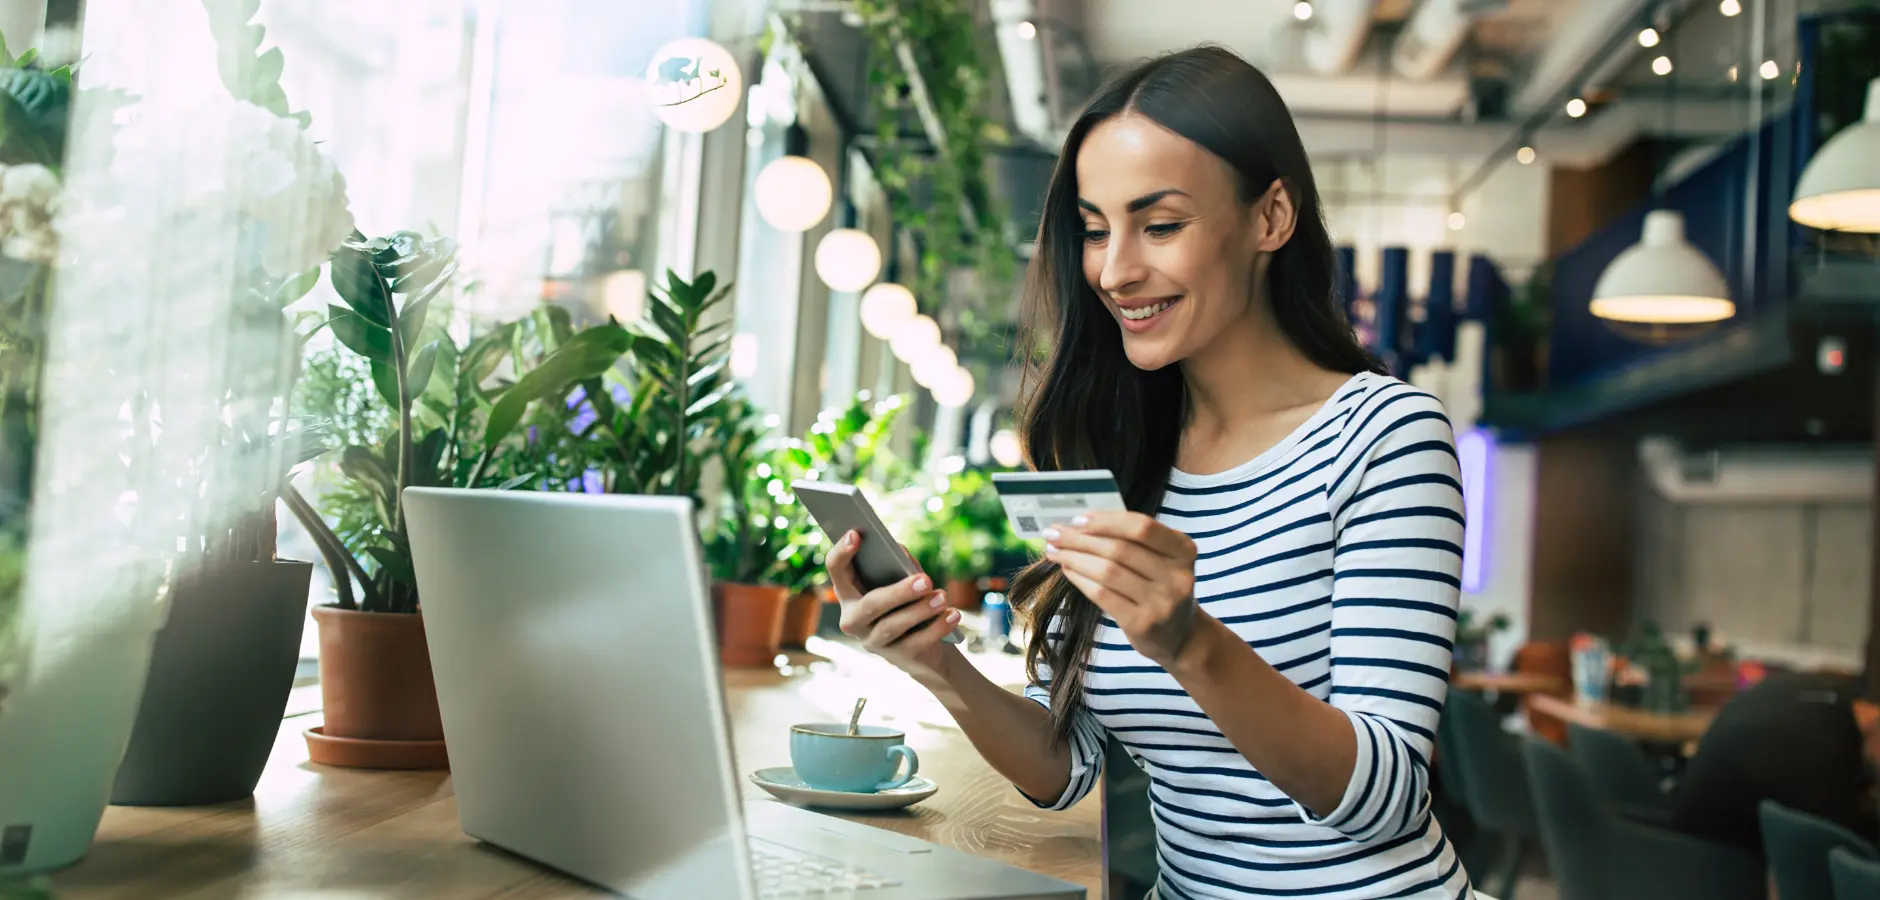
1138	570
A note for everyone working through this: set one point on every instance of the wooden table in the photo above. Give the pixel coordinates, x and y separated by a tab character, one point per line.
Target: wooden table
1509	682
1664	728
312	831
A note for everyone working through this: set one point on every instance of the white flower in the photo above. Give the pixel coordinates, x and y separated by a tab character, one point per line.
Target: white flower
31	183
226	158
29	196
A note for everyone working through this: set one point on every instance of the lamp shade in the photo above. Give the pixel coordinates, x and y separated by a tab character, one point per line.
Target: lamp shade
887	306
694	85
1840	188
847	259
1662	279
792	193
954	389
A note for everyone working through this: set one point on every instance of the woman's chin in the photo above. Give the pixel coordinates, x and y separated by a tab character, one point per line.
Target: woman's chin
1149	355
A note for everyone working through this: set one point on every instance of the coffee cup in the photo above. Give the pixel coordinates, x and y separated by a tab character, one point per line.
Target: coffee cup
828	758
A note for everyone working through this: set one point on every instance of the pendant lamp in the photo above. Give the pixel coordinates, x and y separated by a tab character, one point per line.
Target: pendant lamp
1662	279
1840	188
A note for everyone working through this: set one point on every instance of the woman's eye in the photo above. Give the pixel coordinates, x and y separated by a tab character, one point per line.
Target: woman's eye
1164	230
1095	235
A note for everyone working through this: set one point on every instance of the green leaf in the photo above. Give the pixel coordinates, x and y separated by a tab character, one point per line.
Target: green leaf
297	287
394	564
386	380
516	482
26	59
271	98
419	374
411	318
420	273
357	282
485	354
268	67
6	56
20	142
359	335
586	355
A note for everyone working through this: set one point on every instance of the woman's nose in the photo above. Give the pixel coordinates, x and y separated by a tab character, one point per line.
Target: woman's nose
1122	266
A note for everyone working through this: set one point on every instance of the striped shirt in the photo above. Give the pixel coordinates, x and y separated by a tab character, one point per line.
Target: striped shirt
1336	555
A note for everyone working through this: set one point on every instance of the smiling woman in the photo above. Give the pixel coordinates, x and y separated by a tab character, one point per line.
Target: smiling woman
1267	630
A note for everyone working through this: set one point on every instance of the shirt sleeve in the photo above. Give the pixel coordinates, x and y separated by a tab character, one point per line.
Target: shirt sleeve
1396	501
1086	745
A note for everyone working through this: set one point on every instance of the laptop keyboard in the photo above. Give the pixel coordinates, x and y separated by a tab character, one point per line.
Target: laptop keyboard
783	872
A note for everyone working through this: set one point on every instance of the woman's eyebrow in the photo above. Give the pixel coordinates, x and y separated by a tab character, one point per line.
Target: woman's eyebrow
1140	203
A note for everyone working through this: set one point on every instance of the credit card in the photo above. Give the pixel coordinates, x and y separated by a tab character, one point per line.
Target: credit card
1035	501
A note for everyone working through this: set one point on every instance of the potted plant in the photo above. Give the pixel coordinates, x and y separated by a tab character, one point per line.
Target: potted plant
1472	639
375	674
225	660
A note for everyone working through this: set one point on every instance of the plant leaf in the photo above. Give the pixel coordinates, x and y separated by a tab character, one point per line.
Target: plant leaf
359	335
419	374
515	482
411	319
357	282
386	381
394	564
297	287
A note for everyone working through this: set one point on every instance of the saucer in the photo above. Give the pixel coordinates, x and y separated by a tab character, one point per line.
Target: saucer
782	782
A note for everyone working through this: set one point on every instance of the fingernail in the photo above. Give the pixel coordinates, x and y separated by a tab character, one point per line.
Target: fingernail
921	583
938	601
953	617
1052	534
852	538
1050	550
1080	521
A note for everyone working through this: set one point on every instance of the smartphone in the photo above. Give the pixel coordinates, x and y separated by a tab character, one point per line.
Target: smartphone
841	508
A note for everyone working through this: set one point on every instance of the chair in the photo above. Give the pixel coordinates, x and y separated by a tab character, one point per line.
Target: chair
1854	878
1597	855
1620	770
1495	783
1545	658
1798	844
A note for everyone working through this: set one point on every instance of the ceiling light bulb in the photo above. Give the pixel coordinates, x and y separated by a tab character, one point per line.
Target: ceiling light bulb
1648	38
1457	221
1769	70
847	259
1524	156
1302	10
1730	7
1661	65
792	193
693	85
1026	31
887	306
1576	107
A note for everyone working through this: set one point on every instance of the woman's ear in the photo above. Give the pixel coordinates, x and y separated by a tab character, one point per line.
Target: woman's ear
1275	217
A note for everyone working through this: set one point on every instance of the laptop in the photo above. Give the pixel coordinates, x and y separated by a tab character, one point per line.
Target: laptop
577	674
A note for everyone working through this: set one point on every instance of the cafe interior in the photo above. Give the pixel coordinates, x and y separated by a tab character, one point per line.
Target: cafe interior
524	253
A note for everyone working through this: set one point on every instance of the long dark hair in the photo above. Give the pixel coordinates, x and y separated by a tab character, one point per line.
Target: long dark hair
1087	406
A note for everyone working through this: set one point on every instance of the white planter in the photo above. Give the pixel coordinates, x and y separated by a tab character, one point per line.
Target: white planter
62	733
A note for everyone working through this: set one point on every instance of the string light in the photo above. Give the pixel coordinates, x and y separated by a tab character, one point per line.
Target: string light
1648	38
1302	10
1730	7
1661	65
1576	107
1524	156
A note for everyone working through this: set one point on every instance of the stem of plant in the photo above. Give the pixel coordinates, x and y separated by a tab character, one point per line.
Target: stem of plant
405	451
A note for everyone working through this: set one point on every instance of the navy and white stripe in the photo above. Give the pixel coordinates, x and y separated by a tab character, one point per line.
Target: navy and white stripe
1337	556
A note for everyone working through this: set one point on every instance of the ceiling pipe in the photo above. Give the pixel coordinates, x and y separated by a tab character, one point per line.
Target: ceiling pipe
1339	29
1430	38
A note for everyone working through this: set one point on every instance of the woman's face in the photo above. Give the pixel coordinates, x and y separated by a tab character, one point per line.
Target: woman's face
1169	246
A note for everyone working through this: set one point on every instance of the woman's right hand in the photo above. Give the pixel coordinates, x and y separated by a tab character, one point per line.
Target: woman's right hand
885	619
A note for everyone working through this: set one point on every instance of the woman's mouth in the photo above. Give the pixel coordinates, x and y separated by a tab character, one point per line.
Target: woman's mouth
1141	316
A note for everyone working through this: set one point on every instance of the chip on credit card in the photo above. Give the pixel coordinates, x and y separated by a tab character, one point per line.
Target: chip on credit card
1035	501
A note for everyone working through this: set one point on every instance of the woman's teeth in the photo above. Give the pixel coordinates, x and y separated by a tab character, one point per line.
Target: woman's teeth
1140	313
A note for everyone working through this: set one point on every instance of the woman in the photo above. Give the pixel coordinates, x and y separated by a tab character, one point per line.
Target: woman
1268	631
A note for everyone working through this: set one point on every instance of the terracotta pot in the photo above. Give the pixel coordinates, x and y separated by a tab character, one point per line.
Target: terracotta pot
802	618
380	700
750	623
964	593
